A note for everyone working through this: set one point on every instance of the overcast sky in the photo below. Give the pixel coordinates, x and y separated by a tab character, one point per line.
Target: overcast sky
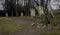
1	6
55	4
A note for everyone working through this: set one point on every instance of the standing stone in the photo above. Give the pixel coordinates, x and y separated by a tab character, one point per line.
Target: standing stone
32	12
21	14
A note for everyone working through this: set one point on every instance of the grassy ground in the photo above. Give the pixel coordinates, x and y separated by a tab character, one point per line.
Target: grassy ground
52	32
7	27
22	26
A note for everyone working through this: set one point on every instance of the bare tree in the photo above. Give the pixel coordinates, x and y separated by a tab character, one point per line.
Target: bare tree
48	15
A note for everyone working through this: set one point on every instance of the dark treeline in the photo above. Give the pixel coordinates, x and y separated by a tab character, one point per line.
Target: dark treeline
12	7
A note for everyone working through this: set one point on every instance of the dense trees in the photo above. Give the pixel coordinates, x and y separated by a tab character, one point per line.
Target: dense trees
24	7
13	8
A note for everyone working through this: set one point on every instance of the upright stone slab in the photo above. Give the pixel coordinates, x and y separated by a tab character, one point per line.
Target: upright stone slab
21	14
32	12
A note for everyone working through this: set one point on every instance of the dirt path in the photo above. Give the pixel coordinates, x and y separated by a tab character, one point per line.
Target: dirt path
28	30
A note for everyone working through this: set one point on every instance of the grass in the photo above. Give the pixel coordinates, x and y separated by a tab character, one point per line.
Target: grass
7	26
52	32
